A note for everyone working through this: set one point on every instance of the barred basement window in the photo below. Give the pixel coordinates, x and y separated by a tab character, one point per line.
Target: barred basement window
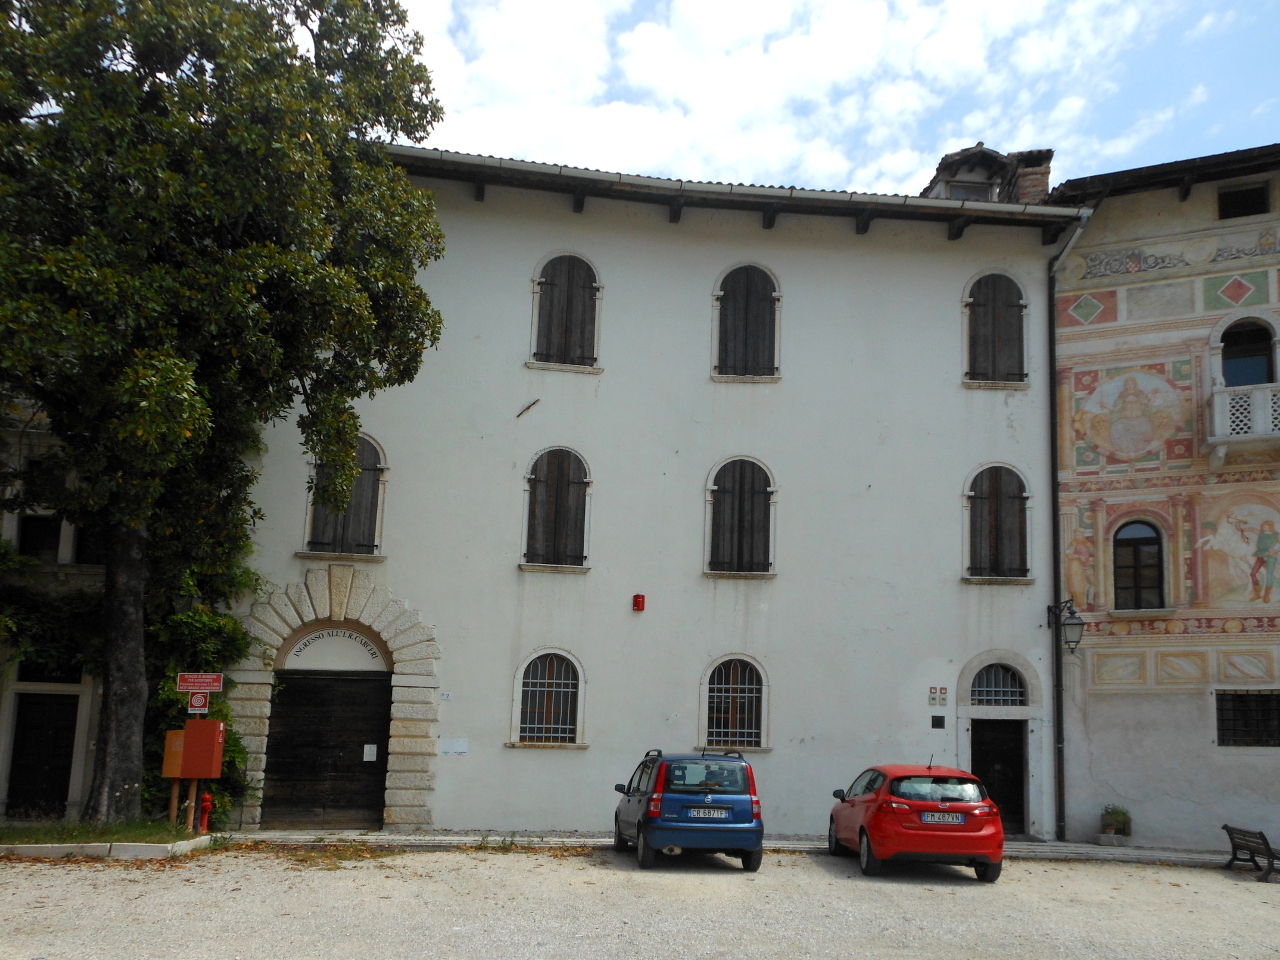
355	530
998	524
567	313
1248	718
748	324
995	330
549	701
735	702
997	685
557	510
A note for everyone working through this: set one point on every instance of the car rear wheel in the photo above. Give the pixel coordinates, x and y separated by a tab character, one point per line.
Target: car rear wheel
646	856
751	860
619	841
989	872
834	846
872	866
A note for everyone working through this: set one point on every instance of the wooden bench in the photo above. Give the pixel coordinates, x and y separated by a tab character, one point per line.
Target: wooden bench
1247	846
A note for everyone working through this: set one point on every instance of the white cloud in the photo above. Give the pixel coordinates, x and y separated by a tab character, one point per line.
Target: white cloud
862	94
1210	22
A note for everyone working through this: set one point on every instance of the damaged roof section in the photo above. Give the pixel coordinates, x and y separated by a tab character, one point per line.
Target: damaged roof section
676	195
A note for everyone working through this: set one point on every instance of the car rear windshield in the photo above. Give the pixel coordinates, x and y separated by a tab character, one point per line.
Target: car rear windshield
706	776
938	789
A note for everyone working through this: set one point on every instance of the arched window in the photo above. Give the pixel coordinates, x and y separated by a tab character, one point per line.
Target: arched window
1139	568
748	324
998	685
355	530
567	313
997	524
549	700
995	330
735	705
741	500
1247	354
557	510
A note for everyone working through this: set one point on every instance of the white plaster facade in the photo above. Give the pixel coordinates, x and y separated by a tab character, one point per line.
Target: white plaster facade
869	434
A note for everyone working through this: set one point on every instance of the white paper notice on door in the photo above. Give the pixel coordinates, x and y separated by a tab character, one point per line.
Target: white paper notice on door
371	751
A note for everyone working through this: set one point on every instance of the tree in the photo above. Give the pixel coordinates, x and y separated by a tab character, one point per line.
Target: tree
200	233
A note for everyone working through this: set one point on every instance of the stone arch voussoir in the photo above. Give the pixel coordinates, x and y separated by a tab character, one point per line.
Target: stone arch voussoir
332	593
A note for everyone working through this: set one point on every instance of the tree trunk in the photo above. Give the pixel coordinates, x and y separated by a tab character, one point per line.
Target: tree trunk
116	793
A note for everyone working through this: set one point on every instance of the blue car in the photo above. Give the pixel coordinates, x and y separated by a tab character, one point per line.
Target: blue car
704	802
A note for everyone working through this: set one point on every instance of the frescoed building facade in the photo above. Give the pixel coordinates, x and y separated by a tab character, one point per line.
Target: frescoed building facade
1168	319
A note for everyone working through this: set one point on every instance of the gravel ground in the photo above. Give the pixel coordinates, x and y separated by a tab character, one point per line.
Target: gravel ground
253	905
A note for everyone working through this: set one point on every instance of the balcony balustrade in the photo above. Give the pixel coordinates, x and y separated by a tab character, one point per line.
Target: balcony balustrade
1243	418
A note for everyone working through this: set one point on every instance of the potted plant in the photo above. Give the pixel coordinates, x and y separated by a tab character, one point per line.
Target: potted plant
1117	825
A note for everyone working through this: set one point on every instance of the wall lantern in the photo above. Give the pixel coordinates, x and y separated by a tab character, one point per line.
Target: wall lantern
1068	623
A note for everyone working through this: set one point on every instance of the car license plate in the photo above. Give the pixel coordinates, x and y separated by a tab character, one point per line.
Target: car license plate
942	818
710	813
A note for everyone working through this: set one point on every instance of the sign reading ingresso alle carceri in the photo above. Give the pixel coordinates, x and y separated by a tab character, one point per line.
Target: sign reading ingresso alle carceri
350	636
200	681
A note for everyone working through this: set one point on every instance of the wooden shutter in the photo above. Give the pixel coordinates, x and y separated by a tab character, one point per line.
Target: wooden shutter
355	530
557	510
740	518
995	330
997	525
748	314
567	313
1011	548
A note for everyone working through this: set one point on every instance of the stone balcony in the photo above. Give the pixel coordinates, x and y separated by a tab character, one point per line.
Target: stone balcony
1243	418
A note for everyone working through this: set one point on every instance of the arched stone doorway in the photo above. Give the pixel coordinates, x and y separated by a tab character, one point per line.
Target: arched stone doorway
339	640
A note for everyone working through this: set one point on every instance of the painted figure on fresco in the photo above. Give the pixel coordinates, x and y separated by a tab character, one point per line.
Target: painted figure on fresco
1265	560
1242	548
1131	415
1079	572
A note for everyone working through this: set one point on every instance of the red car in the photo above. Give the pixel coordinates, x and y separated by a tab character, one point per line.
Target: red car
914	812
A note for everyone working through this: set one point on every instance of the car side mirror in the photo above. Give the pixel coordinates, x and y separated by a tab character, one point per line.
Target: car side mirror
620	787
838	794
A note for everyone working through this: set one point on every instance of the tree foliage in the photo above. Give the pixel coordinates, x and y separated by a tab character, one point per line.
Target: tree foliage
200	233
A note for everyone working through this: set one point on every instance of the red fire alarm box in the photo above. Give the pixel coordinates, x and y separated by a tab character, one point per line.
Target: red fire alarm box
637	602
173	754
202	749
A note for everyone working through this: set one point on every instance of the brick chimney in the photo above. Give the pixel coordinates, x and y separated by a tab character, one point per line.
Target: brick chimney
1031	178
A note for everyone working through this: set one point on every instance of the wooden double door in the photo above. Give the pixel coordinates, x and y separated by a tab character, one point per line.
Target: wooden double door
327	750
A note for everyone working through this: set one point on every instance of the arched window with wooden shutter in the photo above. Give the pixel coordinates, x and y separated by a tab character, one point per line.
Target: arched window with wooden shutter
997	524
549	700
566	294
747	341
557	528
741	519
995	330
355	530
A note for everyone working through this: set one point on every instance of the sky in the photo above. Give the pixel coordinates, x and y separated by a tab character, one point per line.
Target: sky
849	94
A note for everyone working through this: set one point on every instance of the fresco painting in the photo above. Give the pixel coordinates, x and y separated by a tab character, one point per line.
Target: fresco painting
1129	416
1241	545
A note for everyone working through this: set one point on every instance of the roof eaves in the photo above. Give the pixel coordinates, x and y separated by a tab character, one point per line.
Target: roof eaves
621	186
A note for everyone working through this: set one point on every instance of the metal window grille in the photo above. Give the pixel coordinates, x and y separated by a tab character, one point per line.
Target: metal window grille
735	700
1248	718
549	701
997	685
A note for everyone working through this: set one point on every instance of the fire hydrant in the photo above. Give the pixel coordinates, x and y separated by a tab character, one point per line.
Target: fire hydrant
206	808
